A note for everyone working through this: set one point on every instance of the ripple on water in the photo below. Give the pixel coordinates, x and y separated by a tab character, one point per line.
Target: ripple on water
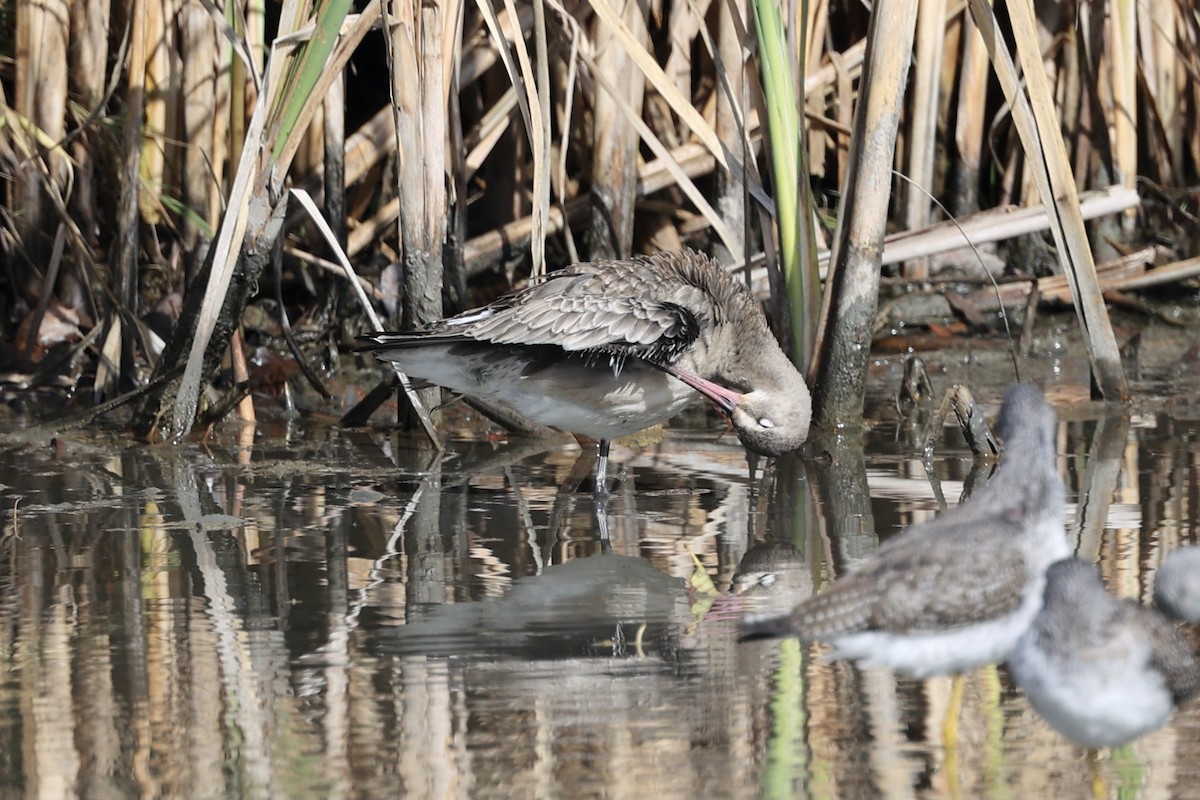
387	626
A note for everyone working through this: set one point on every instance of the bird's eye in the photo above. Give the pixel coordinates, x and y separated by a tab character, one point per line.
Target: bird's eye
765	423
766	580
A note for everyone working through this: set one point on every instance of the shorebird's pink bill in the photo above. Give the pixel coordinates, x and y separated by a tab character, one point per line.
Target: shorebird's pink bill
722	398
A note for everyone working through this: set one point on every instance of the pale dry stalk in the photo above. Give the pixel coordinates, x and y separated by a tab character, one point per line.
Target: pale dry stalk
43	31
88	70
683	24
1158	25
1122	52
819	141
852	291
415	31
971	123
200	41
615	141
1041	140
931	28
1190	46
158	41
730	111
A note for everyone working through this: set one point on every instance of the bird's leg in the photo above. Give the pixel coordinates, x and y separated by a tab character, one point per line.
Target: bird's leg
950	735
1096	774
602	495
953	712
602	468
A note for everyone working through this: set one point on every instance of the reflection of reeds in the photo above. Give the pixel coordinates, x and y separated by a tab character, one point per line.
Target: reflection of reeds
143	653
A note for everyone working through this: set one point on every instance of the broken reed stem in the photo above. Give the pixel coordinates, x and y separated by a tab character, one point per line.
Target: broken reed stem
851	294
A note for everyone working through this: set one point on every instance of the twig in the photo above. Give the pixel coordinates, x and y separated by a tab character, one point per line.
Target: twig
285	325
329	266
376	325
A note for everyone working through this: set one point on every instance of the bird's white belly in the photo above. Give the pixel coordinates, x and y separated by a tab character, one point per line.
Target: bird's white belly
570	395
608	410
1103	700
923	654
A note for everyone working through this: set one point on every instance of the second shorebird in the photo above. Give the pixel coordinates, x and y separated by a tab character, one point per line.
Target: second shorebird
1102	670
609	348
1177	585
957	592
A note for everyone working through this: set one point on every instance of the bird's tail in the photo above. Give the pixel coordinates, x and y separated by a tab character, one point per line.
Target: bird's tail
765	628
388	340
385	340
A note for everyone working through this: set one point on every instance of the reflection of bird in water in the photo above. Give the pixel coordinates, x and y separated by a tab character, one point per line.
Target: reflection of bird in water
1177	585
1101	670
565	610
771	579
957	592
609	348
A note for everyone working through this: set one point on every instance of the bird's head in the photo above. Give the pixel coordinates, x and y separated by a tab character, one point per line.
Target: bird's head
770	423
770	420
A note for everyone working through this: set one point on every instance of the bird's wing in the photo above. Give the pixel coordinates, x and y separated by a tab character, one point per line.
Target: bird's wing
928	579
1171	655
636	326
579	309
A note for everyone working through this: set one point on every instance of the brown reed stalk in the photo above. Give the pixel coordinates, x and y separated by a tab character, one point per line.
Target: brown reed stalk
839	368
125	257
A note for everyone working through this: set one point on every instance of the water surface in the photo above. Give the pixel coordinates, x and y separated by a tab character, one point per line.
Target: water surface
311	612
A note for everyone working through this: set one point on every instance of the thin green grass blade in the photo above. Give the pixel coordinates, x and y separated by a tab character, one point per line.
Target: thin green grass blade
792	200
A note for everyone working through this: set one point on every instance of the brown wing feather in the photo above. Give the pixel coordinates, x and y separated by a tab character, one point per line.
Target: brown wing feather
913	584
642	309
1172	655
646	328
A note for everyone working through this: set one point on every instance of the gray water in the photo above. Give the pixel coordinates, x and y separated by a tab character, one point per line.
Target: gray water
293	610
